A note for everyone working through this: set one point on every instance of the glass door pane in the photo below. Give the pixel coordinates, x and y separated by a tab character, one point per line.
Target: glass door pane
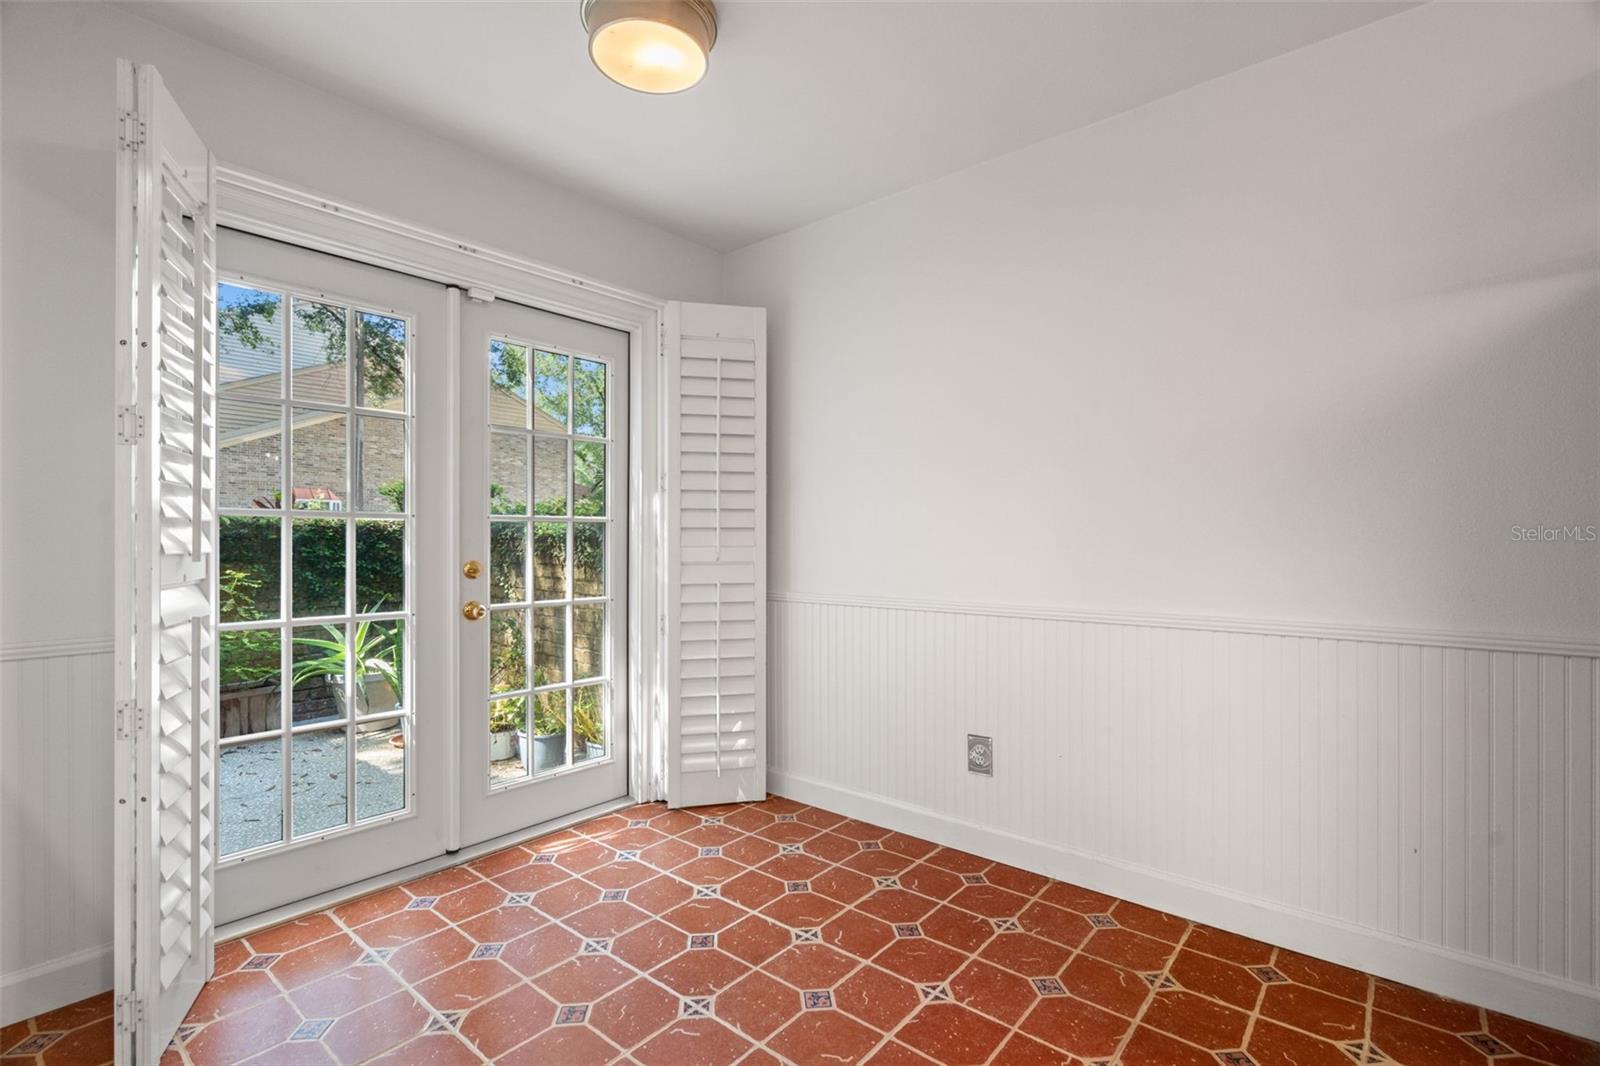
548	577
314	661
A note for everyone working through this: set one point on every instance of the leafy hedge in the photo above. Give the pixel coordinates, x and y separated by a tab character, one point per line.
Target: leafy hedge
249	581
250	589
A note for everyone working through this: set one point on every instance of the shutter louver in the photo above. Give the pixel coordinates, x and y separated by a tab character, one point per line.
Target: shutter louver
166	559
716	572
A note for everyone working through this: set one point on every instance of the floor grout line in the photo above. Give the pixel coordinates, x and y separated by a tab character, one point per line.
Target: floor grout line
846	903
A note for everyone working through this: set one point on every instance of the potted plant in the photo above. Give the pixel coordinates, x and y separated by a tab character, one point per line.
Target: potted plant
505	722
377	684
548	741
588	726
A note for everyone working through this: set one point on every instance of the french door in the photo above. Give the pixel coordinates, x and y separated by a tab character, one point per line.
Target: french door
365	666
543	577
334	709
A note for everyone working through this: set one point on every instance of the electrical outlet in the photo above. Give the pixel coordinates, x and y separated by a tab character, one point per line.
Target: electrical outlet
980	755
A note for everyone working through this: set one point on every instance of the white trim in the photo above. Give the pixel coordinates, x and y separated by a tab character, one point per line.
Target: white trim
1531	643
1561	1004
260	205
48	985
65	648
450	489
256	204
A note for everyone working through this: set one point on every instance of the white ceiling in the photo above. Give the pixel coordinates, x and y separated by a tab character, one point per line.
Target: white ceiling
808	109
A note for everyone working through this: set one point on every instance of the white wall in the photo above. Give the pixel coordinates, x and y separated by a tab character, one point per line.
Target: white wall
58	68
1263	374
1304	342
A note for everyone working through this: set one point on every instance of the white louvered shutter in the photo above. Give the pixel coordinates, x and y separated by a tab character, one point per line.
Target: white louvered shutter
716	572
165	564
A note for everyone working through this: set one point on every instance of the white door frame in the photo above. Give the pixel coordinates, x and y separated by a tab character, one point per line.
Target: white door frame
259	205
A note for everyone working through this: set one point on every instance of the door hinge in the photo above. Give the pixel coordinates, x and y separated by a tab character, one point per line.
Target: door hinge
130	132
130	425
129	1012
130	719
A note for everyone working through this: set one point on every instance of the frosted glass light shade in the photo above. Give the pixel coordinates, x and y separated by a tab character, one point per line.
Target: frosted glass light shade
652	46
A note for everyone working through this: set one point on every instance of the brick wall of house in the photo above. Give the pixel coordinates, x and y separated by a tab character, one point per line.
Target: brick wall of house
251	468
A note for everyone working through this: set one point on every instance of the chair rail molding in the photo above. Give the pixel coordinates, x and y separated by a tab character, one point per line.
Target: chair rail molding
1531	643
66	647
1419	804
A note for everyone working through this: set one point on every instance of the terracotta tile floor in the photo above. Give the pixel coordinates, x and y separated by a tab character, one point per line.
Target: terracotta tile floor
776	932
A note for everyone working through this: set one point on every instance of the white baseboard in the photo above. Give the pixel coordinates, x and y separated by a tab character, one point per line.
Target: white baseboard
24	993
1560	1004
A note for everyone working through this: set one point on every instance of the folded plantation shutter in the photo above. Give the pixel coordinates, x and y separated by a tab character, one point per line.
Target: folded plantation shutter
716	572
165	564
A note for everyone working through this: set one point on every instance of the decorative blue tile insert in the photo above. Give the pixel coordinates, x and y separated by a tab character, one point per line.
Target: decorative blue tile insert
311	1029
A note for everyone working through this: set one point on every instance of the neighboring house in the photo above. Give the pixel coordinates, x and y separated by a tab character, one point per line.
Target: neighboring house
250	429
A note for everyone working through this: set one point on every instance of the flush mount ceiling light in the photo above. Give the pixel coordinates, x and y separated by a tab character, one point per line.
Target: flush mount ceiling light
654	46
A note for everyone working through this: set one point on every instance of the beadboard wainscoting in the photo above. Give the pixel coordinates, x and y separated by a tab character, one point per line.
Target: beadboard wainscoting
1421	806
55	824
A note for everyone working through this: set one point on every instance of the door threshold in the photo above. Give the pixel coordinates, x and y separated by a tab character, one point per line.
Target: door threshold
345	893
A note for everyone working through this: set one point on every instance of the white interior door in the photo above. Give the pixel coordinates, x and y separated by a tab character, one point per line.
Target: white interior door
165	564
716	565
543	575
334	711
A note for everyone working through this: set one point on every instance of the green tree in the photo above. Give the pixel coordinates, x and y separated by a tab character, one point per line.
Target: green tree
380	340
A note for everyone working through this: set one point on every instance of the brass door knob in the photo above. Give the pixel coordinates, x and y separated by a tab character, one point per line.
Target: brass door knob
471	568
472	611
